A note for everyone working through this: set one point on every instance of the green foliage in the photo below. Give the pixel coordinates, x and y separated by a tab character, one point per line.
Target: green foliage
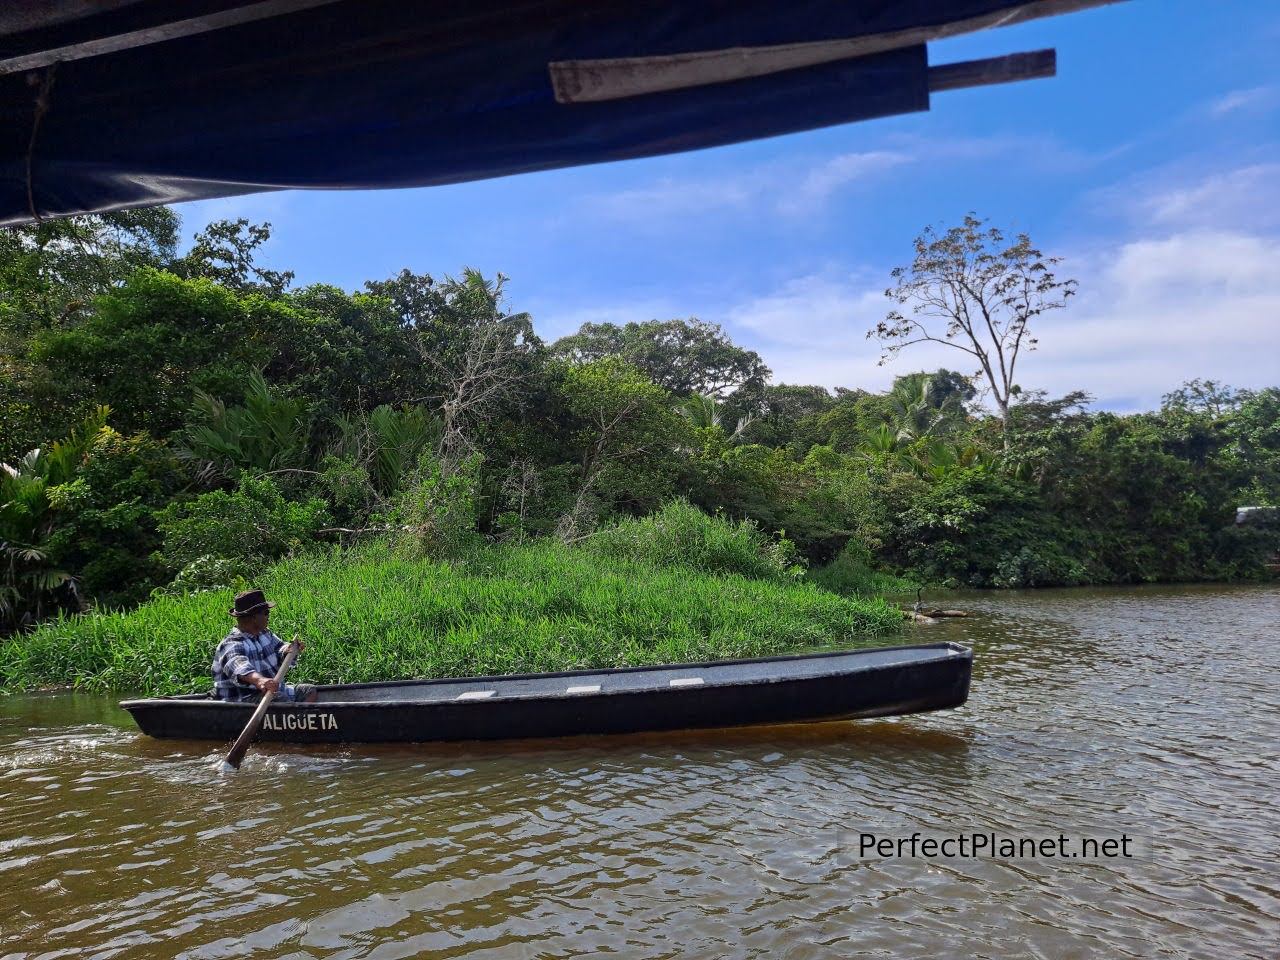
203	574
431	409
923	405
625	433
781	412
387	443
225	252
33	580
150	344
374	614
145	348
440	317
683	357
107	516
248	527
853	574
977	528
705	412
682	535
52	270
436	514
269	432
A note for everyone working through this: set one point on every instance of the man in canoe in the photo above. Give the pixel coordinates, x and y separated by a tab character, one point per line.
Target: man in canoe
248	658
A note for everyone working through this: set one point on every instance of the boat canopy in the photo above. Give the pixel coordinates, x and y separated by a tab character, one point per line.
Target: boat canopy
111	104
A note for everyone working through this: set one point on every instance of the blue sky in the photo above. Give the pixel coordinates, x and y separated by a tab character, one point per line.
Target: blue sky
1151	164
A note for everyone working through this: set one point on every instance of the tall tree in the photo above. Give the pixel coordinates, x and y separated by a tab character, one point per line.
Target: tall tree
1207	397
148	345
474	350
226	252
682	356
50	274
626	436
51	270
972	290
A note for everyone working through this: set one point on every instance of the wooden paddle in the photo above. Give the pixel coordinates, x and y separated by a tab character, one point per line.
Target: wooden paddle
241	746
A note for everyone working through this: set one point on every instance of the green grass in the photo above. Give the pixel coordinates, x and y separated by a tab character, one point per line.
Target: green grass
851	574
680	534
373	615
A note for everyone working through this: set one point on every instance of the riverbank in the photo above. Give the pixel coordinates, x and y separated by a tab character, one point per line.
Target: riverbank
370	614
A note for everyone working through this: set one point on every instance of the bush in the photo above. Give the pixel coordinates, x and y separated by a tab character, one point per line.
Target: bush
248	527
682	535
1041	565
202	574
1243	553
852	574
977	528
107	516
436	515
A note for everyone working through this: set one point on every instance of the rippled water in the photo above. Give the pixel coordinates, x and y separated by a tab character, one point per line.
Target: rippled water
1153	713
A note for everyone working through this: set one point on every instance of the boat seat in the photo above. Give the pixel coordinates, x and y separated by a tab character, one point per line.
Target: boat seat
593	688
475	695
685	682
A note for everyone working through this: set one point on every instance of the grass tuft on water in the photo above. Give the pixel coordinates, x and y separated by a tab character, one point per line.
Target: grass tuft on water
371	614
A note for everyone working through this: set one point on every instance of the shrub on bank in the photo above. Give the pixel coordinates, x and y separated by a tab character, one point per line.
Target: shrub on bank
372	614
852	574
247	528
682	535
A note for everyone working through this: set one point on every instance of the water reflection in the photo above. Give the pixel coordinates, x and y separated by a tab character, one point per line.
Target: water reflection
1152	711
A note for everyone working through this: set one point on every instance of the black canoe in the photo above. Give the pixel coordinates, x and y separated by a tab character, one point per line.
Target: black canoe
804	688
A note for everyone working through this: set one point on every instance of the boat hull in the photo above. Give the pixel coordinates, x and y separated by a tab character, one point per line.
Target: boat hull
772	690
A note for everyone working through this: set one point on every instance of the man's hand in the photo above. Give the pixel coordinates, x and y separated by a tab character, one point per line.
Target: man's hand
265	684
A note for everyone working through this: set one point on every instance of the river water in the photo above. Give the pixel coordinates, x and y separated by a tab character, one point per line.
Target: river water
1148	717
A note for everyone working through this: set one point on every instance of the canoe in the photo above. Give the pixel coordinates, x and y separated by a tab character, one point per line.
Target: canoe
804	688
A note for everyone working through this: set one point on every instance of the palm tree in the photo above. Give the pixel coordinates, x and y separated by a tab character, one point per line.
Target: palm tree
29	581
270	432
883	441
915	408
704	411
388	442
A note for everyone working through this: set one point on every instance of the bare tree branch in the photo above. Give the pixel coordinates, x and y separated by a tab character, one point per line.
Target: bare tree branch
985	292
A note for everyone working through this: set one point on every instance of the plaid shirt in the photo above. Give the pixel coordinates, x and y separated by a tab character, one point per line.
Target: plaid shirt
238	654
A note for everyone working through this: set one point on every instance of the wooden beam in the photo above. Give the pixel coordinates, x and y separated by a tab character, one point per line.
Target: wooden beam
220	20
17	16
591	81
982	73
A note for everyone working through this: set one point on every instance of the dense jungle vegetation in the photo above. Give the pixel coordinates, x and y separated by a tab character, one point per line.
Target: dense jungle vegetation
177	425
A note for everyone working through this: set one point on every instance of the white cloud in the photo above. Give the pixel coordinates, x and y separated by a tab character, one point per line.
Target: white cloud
817	186
1247	197
1192	290
812	329
786	189
1252	98
1152	314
